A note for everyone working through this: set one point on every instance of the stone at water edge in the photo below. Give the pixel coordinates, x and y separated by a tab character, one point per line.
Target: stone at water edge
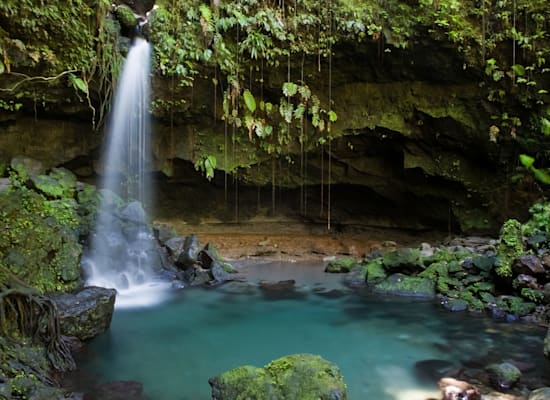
293	377
86	313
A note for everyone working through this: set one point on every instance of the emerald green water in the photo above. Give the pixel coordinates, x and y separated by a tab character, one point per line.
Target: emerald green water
174	348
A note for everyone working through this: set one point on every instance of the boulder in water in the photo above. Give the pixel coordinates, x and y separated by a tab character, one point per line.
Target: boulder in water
293	377
86	313
504	375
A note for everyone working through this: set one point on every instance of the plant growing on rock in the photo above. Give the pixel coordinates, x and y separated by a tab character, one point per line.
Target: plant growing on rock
510	247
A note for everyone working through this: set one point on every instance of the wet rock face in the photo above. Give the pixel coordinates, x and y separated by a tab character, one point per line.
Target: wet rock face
86	313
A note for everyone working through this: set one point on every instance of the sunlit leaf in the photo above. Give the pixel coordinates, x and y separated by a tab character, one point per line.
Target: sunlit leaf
290	88
518	69
79	83
541	175
249	100
526	160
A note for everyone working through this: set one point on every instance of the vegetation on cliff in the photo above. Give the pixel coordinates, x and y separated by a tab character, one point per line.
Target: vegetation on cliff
505	44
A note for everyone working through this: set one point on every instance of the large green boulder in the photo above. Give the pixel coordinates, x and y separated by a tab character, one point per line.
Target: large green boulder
293	377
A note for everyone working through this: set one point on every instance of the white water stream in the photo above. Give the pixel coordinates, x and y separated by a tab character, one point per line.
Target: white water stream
122	252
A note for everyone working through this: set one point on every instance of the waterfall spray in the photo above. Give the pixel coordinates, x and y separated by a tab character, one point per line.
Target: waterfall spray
123	254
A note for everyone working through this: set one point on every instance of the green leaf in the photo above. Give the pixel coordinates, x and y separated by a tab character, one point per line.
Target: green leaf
2	68
541	175
249	100
332	116
518	69
526	160
290	88
545	125
79	83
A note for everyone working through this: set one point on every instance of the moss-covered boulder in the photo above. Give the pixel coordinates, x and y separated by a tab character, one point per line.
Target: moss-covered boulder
342	265
39	239
58	183
403	285
402	259
504	375
293	377
375	272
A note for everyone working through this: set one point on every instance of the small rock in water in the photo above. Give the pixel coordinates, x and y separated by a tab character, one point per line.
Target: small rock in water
504	375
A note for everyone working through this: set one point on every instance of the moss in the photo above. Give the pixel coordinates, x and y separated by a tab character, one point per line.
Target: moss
125	16
59	183
402	258
435	270
342	265
39	239
509	248
374	271
294	377
533	295
515	305
25	369
402	285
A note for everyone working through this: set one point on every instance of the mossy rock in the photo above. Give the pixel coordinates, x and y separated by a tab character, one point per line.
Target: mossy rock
293	377
59	183
24	168
24	371
403	285
509	248
404	258
342	265
375	272
515	305
39	241
126	17
435	270
504	375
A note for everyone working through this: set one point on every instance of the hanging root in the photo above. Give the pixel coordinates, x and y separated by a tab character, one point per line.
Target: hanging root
35	316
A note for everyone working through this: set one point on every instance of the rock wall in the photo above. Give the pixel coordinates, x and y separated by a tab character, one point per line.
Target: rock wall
410	148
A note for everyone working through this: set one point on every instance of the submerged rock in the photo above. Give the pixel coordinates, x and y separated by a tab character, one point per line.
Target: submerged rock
86	313
294	377
118	390
504	375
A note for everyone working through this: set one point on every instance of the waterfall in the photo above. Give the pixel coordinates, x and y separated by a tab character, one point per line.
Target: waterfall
123	254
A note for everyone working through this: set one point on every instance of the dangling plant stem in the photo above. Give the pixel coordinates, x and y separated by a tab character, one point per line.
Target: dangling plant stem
330	108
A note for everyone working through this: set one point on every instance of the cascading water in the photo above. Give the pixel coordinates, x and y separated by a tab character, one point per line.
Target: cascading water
123	254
